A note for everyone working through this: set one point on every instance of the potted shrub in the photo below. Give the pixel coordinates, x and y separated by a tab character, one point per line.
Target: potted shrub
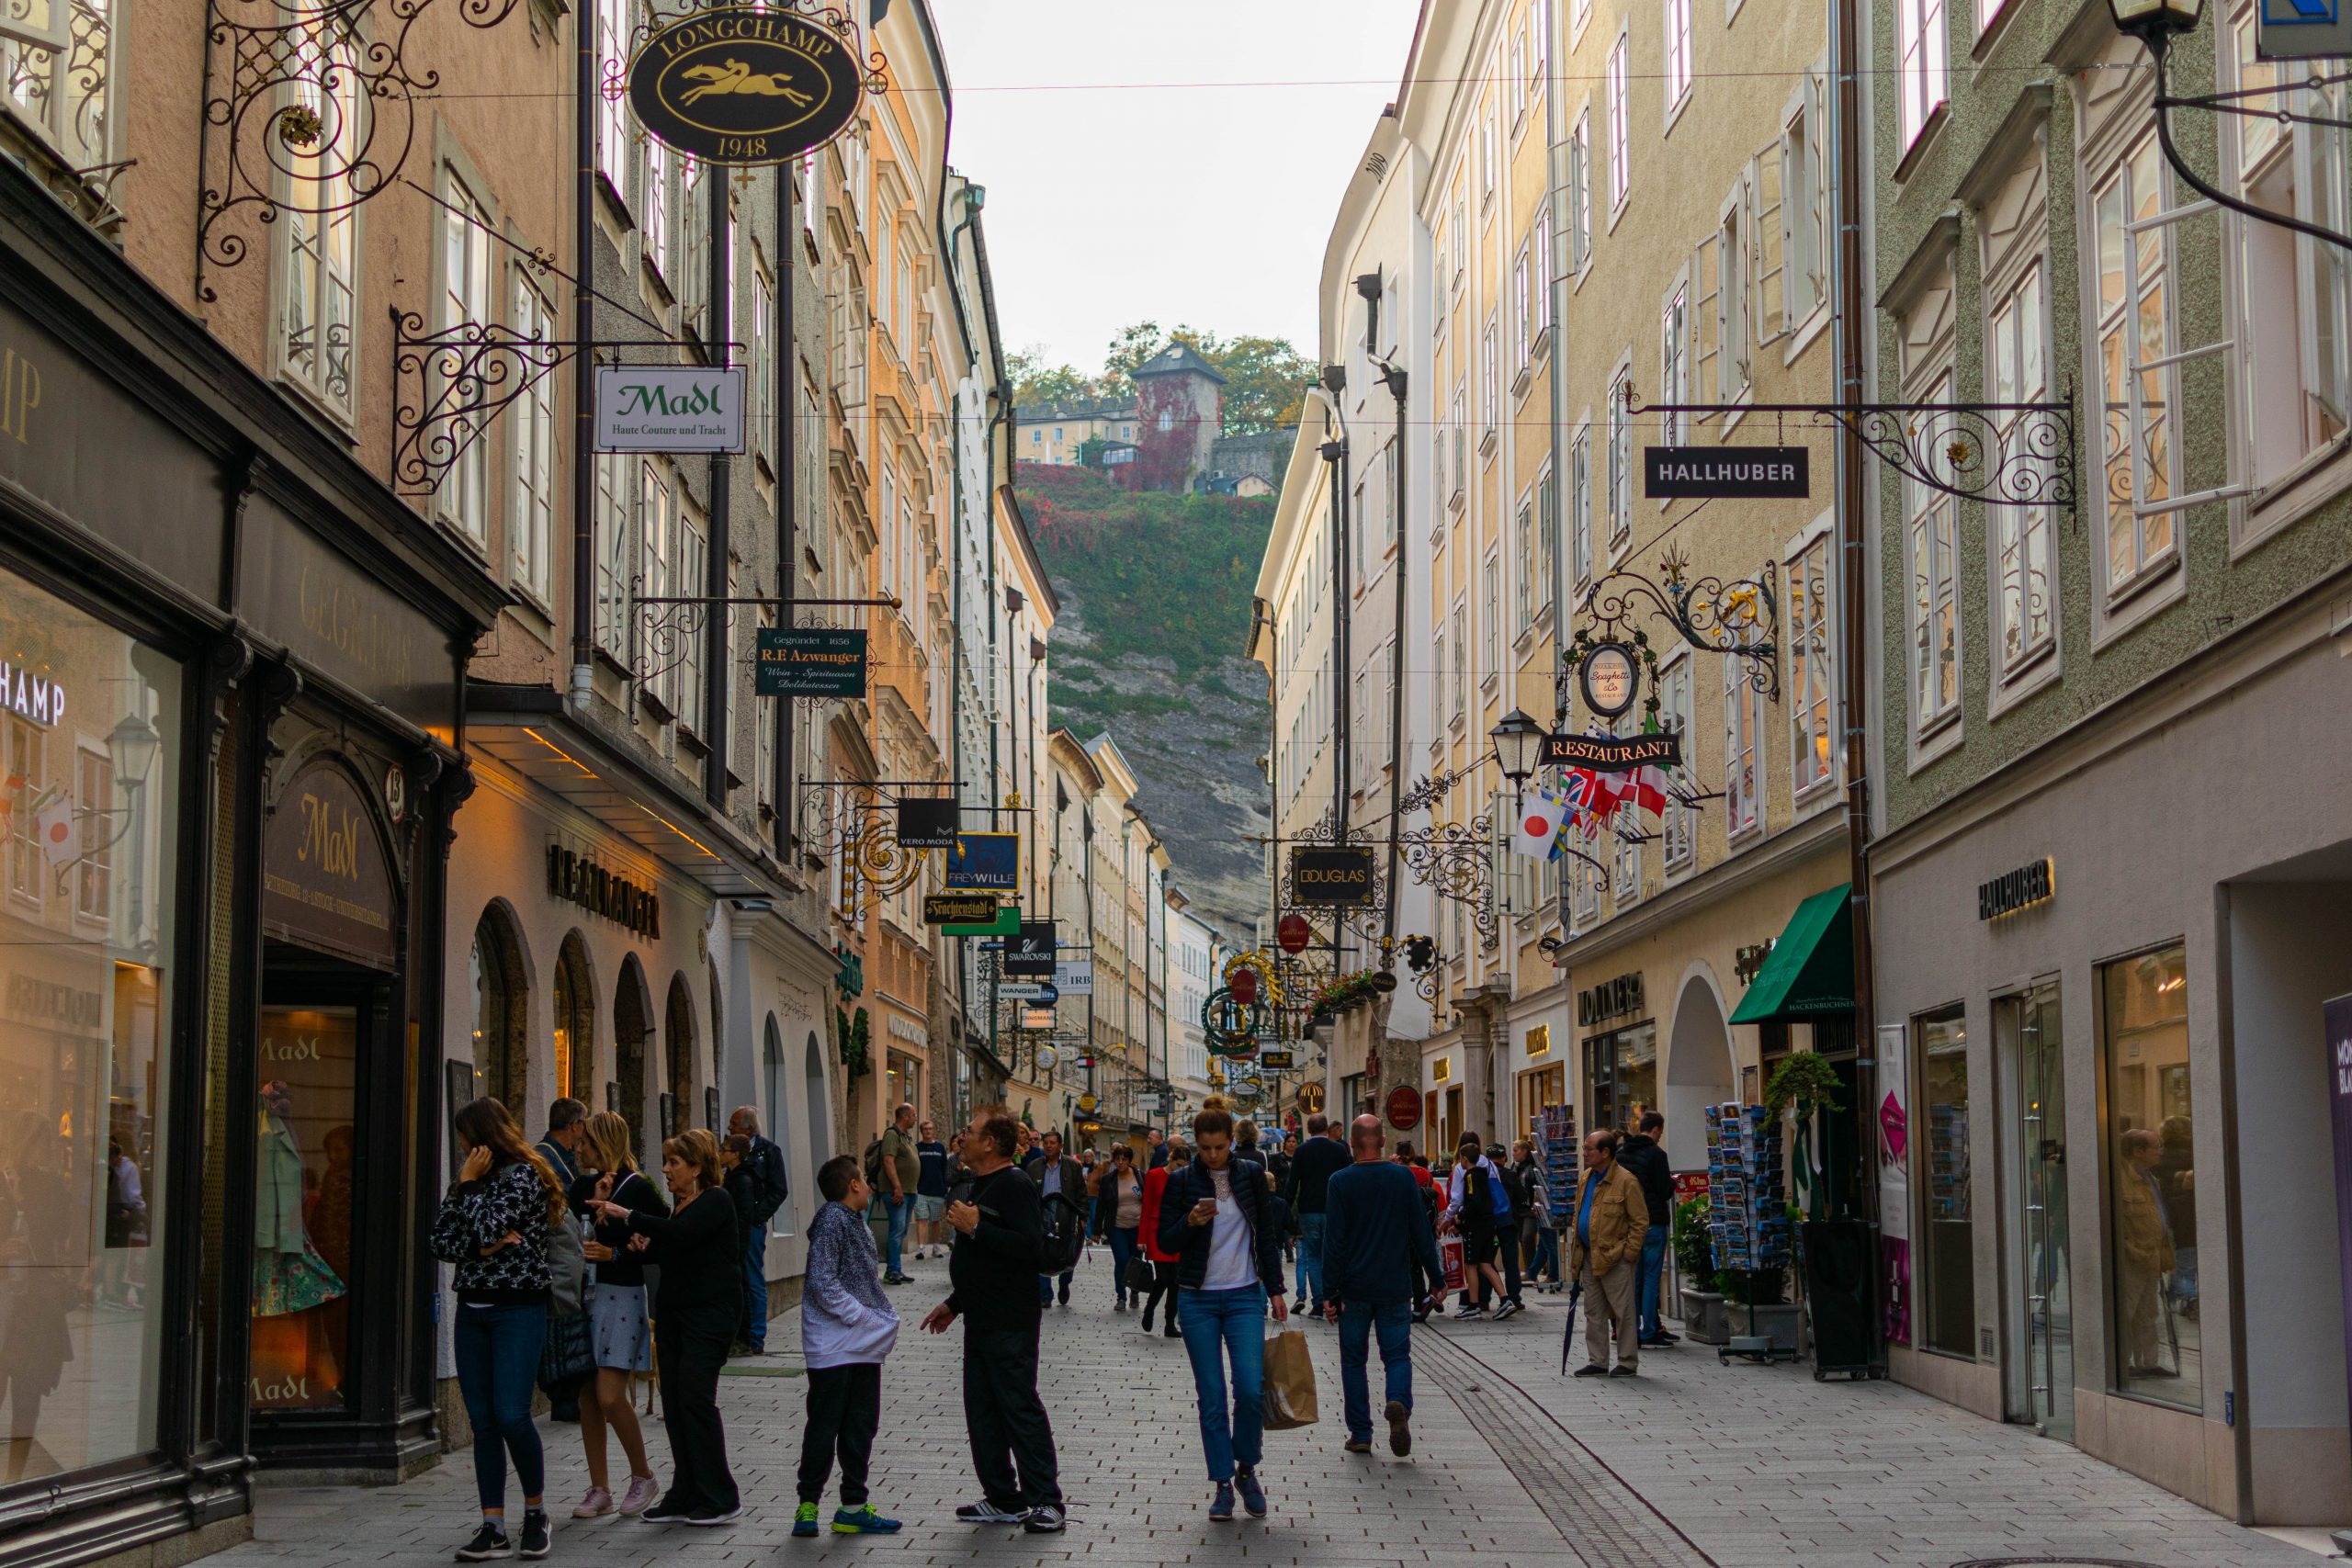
1694	1264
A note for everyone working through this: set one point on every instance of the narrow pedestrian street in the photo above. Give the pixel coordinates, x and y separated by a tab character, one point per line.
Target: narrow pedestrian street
1513	1466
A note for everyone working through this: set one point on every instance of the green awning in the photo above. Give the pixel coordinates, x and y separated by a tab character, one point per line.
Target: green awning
1811	969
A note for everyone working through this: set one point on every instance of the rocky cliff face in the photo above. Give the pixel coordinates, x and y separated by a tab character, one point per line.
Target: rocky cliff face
1155	596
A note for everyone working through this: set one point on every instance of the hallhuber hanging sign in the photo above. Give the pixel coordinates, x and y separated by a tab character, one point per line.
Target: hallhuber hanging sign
745	87
1744	473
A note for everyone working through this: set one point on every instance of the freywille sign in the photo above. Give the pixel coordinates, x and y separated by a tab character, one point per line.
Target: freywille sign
646	407
745	87
1331	876
1613	754
2020	889
1731	473
985	860
578	880
958	908
811	661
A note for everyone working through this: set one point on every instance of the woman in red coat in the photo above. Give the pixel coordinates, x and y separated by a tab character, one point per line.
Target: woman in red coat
1163	1273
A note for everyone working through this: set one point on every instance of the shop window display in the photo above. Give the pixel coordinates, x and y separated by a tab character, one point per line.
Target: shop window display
1949	1263
90	741
1623	1065
2152	1179
302	1186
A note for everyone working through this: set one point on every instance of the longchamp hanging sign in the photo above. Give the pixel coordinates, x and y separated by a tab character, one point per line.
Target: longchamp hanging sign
743	86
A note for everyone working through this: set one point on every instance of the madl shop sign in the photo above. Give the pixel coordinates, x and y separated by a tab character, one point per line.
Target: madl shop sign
647	408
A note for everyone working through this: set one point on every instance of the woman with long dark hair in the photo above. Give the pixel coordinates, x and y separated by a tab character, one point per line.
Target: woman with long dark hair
1219	1216
698	1246
618	1329
493	1226
1118	1208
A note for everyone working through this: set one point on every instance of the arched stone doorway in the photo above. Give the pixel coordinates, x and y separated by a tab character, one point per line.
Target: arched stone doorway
678	1083
573	1023
632	1029
502	1013
774	1118
820	1132
1700	1072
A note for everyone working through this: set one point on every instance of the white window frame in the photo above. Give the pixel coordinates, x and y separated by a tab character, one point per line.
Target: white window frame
1923	66
530	517
1734	234
656	521
1678	829
1769	225
1580	556
1489	382
317	273
1620	174
56	64
464	268
1744	751
1461	660
616	490
694	569
1930	540
1524	557
2022	542
1621	461
1810	565
1677	76
1490	619
1581	194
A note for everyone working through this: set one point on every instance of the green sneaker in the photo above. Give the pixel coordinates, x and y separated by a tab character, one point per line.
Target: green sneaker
804	1519
863	1520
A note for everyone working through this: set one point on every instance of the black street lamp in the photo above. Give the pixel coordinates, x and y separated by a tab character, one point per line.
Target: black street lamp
1517	740
2157	23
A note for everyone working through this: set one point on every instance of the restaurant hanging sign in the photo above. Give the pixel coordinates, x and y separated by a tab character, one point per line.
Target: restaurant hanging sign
1726	473
810	662
1613	754
745	86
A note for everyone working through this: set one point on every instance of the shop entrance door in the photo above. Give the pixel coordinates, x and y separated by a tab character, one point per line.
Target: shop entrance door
2027	1042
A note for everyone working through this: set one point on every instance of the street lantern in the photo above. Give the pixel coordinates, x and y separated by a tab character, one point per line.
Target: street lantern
2151	19
133	746
1517	740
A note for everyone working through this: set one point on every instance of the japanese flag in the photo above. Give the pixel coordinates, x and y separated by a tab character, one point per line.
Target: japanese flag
1539	823
53	827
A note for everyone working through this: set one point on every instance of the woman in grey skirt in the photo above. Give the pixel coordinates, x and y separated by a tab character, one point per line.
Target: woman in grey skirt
618	1326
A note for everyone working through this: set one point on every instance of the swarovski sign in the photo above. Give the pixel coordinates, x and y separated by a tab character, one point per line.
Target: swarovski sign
666	408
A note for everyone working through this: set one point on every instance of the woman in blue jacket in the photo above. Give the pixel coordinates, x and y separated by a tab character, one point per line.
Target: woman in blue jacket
1219	1218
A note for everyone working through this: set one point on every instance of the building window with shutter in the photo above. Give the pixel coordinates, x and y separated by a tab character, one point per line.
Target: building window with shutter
531	522
1617	83
1810	702
464	302
318	281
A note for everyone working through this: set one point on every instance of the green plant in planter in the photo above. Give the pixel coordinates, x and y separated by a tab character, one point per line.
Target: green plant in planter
1806	1080
1694	1255
1762	1287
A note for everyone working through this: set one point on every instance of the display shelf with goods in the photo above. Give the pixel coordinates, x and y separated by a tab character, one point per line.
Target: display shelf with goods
1557	1127
1747	1224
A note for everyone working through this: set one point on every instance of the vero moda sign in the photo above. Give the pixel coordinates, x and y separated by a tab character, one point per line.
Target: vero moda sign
649	408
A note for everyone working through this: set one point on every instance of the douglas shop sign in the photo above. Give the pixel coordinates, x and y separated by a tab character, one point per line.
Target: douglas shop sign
1331	876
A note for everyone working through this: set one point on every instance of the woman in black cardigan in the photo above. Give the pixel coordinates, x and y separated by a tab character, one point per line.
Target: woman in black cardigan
697	1247
1219	1217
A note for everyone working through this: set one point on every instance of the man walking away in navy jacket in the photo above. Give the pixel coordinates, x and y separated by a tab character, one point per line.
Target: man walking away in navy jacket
1378	1248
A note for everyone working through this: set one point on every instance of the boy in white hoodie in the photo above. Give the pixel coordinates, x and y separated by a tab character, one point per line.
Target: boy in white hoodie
847	1326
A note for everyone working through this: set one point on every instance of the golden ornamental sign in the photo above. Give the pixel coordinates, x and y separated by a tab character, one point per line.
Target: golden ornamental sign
743	86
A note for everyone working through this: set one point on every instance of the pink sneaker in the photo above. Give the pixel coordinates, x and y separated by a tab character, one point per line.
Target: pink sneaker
642	1490
597	1503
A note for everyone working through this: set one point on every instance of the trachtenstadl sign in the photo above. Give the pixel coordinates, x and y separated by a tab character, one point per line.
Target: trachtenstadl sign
649	408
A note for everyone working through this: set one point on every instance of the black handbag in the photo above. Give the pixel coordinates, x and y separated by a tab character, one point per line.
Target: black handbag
1140	1274
568	1355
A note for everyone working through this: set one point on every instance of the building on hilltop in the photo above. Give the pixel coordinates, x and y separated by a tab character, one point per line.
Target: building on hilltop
1169	436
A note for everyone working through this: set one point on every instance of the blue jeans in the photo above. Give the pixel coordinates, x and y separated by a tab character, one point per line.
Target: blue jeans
755	1287
1217	1324
497	1352
1651	1280
1547	1254
1310	1258
1123	1249
1358	1322
900	1210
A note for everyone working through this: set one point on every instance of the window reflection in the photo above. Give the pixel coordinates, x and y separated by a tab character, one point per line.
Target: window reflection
2152	1182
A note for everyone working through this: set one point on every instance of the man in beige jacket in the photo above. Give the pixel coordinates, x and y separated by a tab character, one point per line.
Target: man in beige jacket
1604	1246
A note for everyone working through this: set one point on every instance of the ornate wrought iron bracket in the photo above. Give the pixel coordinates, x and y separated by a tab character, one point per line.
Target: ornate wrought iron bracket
855	820
2000	454
1455	860
1740	619
2239	103
667	626
318	113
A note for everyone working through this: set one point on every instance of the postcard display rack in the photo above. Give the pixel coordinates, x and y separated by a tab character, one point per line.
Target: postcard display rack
1747	1222
1556	1126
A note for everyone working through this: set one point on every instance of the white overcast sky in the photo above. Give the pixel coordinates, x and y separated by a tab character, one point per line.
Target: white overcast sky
1125	183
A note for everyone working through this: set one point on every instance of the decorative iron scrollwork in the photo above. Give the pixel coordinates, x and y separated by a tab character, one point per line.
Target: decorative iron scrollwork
1740	619
856	822
318	113
1457	861
448	386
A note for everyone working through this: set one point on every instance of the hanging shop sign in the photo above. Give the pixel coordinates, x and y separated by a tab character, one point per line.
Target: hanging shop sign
928	824
2019	890
1276	1058
811	661
1611	677
31	696
325	884
1620	997
958	908
2303	29
1727	473
745	87
985	860
1075	976
1613	754
647	408
1294	933
1331	876
1404	1107
1029	952
576	879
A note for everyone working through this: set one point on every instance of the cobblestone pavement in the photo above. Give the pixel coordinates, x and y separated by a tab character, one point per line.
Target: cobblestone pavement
1691	1464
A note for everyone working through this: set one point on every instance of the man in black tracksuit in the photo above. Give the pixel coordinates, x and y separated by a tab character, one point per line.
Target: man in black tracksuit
1644	1157
992	1272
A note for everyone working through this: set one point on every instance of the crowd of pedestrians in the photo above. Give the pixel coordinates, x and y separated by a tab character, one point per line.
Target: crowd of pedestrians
577	1272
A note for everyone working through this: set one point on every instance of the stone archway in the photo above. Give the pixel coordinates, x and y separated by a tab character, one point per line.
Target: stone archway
501	991
820	1132
632	1032
572	1023
1700	1071
678	1052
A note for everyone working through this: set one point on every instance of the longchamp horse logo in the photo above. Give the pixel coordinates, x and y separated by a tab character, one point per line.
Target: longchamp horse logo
737	77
